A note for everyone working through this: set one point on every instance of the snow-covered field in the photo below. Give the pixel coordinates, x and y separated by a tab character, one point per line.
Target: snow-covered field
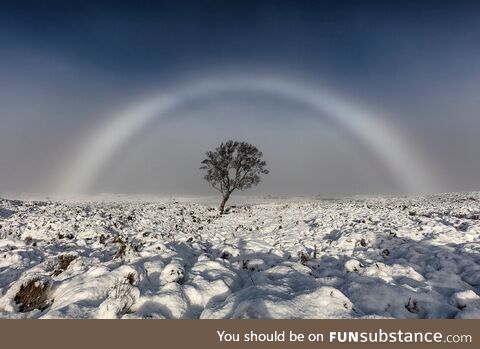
349	258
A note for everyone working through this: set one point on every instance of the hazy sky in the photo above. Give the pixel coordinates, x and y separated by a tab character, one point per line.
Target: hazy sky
69	68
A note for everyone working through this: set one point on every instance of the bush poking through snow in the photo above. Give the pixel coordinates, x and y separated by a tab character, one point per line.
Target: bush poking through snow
131	278
120	300
64	261
102	239
412	306
121	251
122	297
304	258
32	295
225	255
121	288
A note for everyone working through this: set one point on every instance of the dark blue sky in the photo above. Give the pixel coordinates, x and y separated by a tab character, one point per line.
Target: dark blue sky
346	38
64	63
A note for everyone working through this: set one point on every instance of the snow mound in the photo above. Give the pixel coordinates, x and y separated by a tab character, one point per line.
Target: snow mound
260	303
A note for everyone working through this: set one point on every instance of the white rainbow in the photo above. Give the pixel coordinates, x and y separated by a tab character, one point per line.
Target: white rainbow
380	138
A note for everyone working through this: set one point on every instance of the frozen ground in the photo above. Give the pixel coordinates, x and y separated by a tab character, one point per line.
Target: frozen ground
351	258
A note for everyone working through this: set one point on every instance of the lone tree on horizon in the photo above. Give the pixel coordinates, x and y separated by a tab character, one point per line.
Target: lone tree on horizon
233	165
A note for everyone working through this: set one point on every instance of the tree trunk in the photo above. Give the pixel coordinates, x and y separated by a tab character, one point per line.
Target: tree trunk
224	201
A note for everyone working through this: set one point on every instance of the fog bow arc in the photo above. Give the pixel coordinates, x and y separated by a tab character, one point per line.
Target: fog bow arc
380	138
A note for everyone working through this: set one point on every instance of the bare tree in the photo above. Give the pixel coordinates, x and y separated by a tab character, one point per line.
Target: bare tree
233	165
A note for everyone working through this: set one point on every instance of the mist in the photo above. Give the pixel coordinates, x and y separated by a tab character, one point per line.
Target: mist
68	71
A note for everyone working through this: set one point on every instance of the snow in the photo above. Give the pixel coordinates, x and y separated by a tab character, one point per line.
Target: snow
378	257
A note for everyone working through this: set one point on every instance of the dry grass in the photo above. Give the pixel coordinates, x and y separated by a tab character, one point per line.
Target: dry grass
118	239
102	239
32	295
122	290
64	261
412	306
131	278
304	258
121	251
